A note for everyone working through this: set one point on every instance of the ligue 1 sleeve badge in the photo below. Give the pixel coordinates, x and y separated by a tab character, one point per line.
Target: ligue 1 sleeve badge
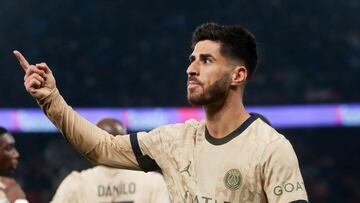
233	179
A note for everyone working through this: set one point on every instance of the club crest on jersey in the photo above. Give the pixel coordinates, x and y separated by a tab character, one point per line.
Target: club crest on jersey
233	179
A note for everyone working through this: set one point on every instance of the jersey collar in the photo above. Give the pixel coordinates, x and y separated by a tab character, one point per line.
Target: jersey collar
232	135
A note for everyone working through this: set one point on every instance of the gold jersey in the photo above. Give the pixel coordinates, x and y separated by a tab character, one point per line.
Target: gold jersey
252	164
108	185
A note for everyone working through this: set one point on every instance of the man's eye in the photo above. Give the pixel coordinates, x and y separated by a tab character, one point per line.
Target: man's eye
9	147
206	61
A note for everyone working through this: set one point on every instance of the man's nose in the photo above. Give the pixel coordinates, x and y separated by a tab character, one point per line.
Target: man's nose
192	69
16	154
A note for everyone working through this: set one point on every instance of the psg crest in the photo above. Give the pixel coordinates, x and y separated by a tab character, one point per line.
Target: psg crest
233	179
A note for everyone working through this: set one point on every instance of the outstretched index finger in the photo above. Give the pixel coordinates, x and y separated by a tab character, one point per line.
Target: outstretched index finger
22	60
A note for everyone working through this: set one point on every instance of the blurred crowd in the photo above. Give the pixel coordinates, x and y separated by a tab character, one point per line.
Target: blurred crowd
329	162
129	53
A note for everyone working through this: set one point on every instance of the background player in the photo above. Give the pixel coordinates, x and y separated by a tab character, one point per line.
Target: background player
10	190
104	184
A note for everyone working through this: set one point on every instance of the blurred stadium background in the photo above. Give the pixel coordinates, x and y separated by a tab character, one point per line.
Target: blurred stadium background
133	54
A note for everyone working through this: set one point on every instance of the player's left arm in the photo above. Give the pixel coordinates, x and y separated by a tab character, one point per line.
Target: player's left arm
281	176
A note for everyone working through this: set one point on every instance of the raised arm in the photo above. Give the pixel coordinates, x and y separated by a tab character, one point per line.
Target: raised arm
96	144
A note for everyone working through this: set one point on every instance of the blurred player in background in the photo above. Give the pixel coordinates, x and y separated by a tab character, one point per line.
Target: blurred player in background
10	190
231	156
104	184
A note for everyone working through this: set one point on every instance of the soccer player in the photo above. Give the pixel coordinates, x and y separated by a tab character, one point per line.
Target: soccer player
105	184
10	190
230	156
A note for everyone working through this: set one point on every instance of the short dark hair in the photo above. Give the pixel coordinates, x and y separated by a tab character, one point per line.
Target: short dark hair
237	43
2	131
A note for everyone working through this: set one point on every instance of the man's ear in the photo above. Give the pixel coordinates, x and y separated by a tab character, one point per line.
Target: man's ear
239	75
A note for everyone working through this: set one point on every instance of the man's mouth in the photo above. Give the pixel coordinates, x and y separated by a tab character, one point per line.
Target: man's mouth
193	84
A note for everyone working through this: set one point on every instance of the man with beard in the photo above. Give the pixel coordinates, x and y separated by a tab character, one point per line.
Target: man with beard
10	190
230	156
105	184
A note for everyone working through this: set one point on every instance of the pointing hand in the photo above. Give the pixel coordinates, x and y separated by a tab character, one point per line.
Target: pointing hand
38	80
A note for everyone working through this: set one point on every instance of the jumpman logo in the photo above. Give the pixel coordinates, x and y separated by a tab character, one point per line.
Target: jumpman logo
186	169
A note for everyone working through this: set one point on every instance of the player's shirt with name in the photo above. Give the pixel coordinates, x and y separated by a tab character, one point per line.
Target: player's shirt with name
108	185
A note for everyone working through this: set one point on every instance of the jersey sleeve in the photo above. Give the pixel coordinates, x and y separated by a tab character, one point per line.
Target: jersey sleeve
94	143
162	146
69	190
282	180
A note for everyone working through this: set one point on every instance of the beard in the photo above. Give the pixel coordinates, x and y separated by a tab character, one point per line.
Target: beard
215	93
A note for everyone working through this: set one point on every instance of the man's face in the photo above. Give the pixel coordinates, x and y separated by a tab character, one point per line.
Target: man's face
112	127
8	154
208	74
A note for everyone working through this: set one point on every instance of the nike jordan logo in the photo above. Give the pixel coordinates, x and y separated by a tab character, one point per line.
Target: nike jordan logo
186	169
